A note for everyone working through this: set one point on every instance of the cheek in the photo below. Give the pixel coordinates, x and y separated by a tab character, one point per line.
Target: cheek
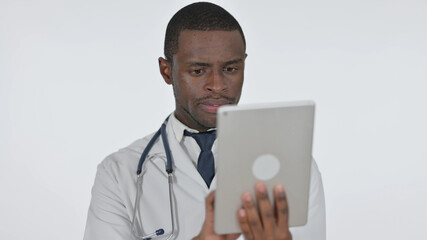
189	86
184	91
236	84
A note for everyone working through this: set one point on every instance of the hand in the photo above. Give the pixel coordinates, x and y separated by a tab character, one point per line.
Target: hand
208	226
270	223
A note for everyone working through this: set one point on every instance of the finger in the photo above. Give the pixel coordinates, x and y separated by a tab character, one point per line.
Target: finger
210	199
244	224
282	209
232	236
210	214
266	210
252	216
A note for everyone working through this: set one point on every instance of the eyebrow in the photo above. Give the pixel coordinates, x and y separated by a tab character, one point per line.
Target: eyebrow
239	60
199	64
202	64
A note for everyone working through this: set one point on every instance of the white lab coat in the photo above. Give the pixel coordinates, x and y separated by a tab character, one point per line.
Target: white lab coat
113	195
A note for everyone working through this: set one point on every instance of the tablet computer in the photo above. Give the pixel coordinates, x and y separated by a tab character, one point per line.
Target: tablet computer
263	142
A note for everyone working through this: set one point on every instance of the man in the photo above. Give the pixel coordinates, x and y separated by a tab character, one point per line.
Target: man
205	60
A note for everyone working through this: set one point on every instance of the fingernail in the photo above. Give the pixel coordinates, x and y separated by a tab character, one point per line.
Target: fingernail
261	188
242	213
280	189
281	192
247	197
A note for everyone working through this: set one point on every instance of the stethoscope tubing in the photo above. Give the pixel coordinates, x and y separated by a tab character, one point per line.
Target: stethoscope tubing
162	132
169	170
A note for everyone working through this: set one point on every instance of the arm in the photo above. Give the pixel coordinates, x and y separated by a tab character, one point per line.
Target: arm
107	217
316	224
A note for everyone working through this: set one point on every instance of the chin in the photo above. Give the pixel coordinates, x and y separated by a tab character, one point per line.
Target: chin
208	123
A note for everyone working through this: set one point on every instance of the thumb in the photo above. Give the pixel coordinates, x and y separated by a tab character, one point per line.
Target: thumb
210	209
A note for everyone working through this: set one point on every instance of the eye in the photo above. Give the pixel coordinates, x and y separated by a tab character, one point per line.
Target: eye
197	72
230	69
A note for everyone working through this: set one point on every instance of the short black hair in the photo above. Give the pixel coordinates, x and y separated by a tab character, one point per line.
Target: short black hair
201	16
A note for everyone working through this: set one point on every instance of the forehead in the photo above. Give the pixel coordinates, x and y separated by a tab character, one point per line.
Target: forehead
210	45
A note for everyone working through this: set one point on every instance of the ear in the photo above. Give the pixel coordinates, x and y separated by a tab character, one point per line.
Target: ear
165	70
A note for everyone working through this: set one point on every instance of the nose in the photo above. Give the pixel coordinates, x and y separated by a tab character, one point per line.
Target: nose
217	82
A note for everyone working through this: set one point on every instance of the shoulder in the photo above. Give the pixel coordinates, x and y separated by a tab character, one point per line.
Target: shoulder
316	184
125	158
315	169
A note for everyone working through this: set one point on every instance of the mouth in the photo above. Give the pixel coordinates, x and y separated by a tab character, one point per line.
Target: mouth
212	105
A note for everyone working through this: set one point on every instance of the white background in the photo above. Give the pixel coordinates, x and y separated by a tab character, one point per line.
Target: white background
79	80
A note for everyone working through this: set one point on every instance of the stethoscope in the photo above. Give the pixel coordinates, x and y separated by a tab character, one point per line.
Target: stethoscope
169	169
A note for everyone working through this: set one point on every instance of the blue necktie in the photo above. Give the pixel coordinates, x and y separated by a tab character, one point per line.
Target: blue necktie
205	163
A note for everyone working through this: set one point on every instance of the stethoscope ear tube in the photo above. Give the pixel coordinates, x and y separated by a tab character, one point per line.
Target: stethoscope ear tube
167	148
147	150
161	131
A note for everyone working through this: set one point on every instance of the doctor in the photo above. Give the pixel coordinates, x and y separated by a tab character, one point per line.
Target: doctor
205	52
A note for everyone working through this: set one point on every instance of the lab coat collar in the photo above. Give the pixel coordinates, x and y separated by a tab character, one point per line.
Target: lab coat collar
181	161
178	127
